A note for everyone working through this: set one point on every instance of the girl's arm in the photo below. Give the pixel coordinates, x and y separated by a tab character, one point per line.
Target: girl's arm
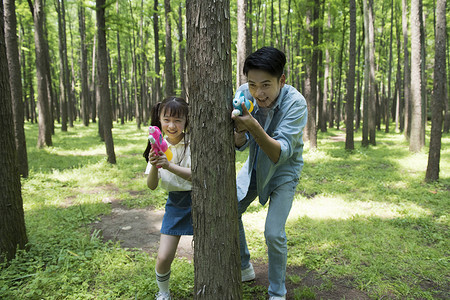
182	172
162	161
152	178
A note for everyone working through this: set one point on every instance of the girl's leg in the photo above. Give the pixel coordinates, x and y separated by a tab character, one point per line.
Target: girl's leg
166	253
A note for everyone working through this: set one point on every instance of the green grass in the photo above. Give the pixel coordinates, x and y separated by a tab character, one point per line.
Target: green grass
365	216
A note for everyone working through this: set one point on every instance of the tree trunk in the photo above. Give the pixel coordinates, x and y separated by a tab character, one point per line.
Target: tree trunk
15	81
437	106
389	97
157	84
241	47
105	103
214	203
349	142
12	222
45	130
339	93
84	68
119	75
407	72
181	51
63	86
416	142
170	78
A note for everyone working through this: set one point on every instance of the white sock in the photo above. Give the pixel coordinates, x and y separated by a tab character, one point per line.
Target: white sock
163	281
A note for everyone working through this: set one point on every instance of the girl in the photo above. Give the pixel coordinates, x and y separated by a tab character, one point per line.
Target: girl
171	116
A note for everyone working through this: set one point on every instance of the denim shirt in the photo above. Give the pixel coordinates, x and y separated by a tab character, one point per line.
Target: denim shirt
285	122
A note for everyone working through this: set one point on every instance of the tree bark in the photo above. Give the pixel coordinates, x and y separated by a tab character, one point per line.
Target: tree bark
241	47
157	83
45	130
416	142
105	103
84	67
15	80
181	51
170	78
214	203
437	106
349	140
63	80
407	72
12	222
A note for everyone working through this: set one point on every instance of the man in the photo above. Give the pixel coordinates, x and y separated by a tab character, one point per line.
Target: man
273	132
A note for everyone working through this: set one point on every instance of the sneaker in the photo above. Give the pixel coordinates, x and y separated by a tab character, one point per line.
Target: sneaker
163	296
248	274
277	298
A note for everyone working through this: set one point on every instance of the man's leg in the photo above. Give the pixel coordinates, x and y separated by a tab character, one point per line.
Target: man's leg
242	207
279	207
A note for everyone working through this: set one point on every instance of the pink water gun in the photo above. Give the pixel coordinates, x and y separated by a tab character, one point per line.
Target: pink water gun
158	142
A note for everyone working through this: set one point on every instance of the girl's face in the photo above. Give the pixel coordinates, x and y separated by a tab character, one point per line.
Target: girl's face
173	127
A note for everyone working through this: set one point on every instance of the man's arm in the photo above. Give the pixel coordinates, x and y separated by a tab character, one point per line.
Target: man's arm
246	122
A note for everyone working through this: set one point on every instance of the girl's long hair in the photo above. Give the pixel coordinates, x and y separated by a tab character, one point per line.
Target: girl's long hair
172	107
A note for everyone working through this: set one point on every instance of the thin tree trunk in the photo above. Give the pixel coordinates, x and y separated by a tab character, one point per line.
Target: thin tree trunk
170	78
84	67
119	75
214	203
157	84
105	102
181	51
241	47
15	81
387	110
349	142
416	142
437	107
407	72
45	130
63	86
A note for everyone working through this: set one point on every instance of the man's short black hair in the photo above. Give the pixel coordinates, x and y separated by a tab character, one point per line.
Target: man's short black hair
268	59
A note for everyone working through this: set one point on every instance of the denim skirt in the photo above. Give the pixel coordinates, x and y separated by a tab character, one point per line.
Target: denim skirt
177	219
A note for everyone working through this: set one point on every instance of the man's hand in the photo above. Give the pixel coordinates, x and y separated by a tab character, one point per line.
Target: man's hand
245	122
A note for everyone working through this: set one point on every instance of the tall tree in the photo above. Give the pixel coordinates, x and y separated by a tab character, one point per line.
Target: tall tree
12	222
387	110
214	202
45	116
181	51
349	143
168	65
157	83
84	66
63	67
15	81
437	106
242	32
105	102
416	141
369	114
407	71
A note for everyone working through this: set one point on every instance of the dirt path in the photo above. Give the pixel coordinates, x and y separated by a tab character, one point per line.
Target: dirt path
139	229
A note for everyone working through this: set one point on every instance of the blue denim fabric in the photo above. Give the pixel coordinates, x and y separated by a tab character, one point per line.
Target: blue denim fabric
260	177
177	218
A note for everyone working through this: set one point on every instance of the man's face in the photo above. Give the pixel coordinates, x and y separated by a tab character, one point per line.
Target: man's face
264	87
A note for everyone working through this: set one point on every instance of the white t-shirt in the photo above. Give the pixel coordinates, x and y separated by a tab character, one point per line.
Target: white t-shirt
182	157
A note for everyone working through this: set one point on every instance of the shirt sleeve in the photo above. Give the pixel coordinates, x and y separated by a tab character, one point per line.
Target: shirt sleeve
290	130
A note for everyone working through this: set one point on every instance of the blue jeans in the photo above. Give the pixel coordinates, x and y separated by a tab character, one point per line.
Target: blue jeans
274	232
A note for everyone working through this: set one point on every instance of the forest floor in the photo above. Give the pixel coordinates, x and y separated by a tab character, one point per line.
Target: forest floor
139	229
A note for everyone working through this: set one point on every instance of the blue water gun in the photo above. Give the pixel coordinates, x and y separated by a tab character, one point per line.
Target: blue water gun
238	99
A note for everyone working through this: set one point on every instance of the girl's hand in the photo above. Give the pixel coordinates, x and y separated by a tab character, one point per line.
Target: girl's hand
158	160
